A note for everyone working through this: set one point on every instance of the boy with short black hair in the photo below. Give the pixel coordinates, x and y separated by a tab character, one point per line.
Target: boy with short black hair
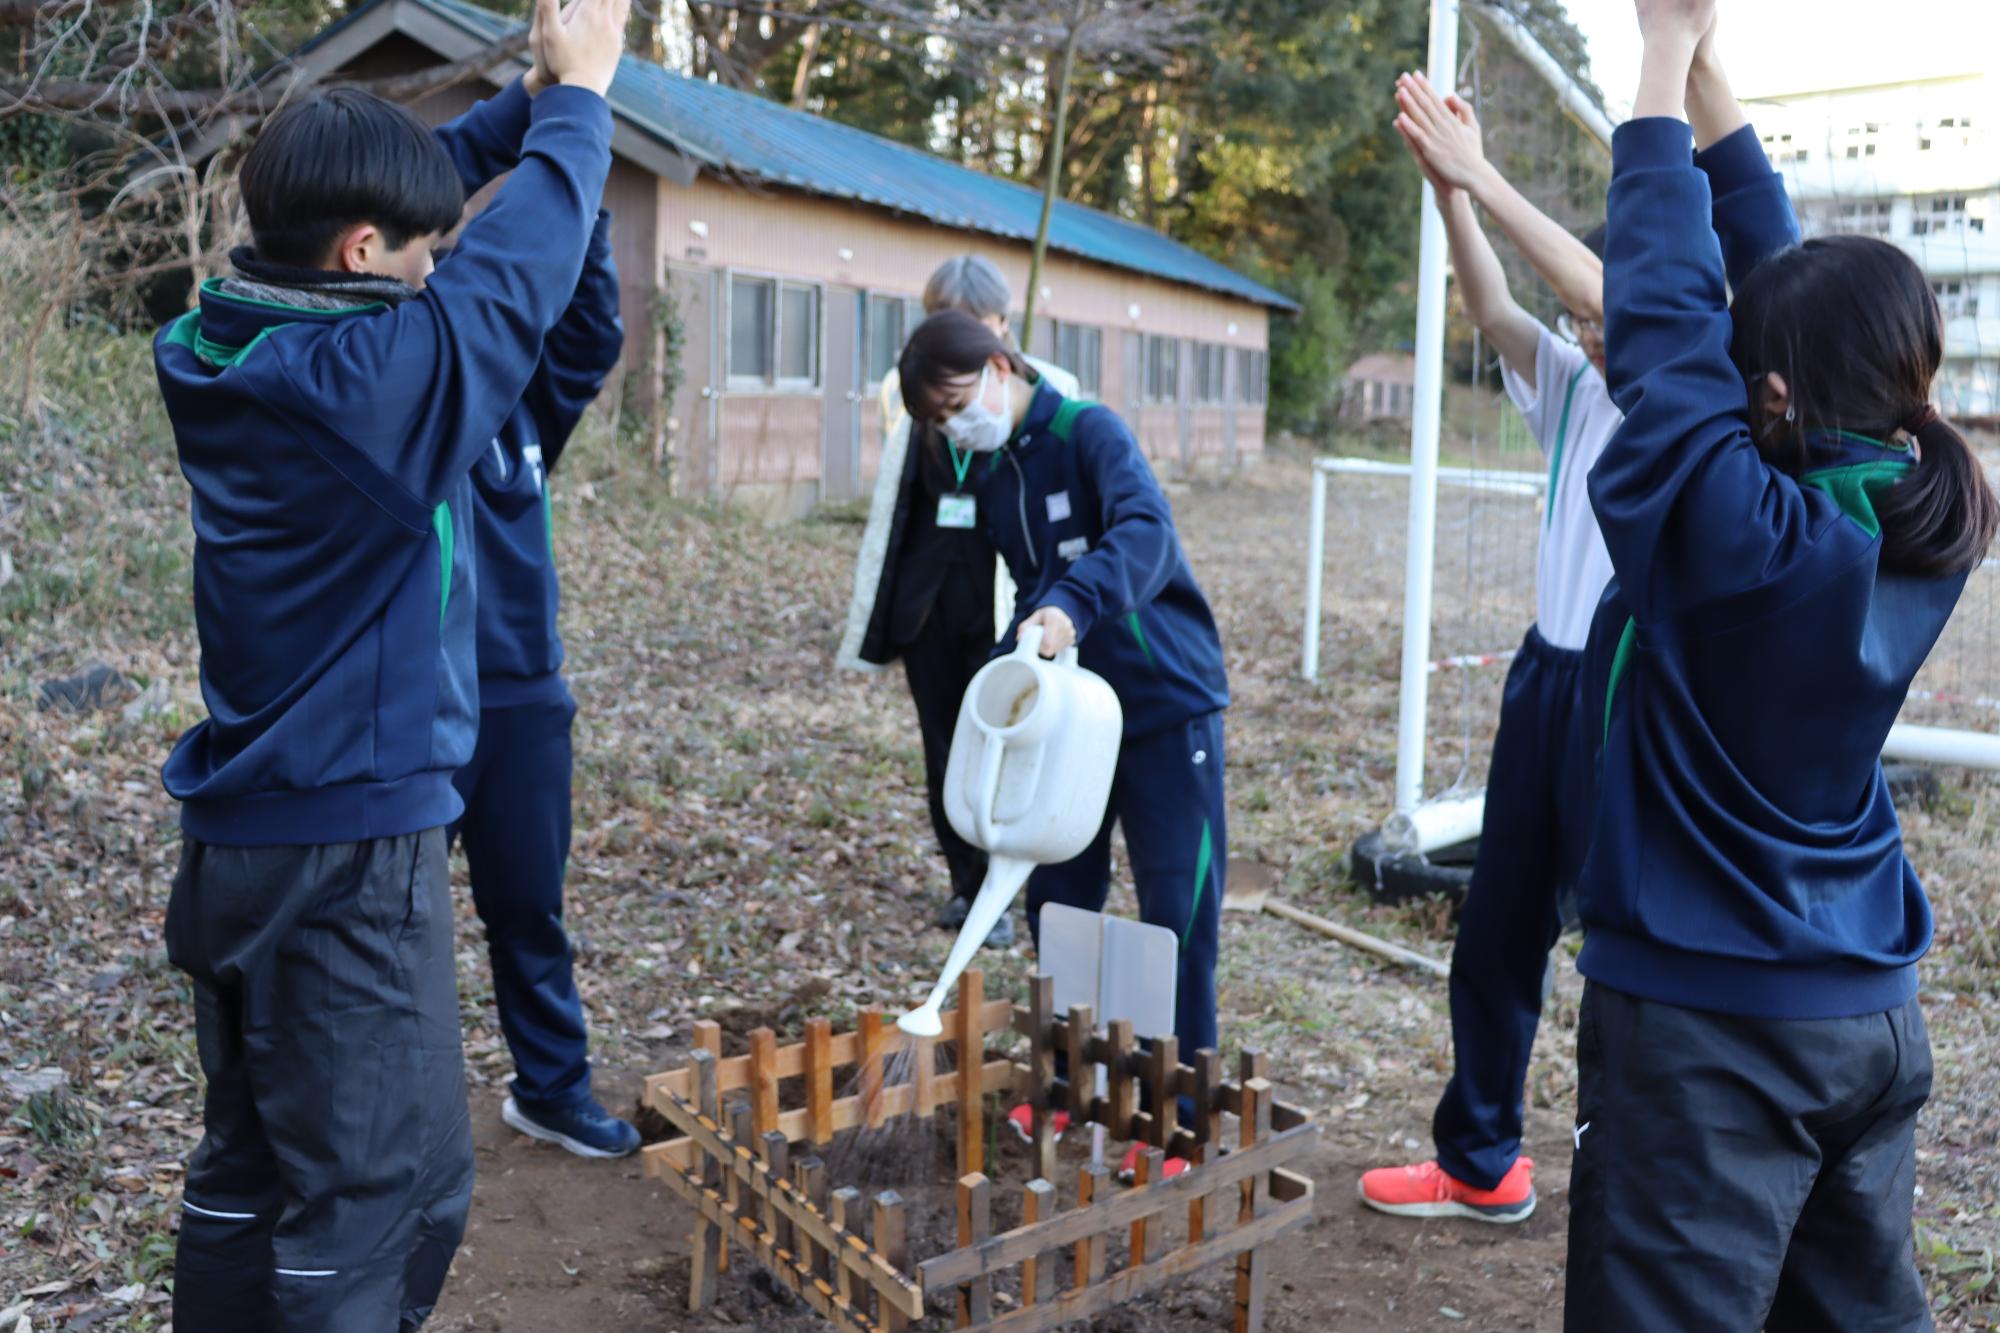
328	403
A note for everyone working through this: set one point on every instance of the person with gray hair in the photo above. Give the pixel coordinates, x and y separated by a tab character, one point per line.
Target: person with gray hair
925	581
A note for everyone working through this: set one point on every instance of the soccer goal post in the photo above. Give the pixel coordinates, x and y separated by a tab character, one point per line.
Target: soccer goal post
1467	565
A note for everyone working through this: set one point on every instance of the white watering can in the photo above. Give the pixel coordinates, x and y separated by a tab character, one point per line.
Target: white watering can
1028	779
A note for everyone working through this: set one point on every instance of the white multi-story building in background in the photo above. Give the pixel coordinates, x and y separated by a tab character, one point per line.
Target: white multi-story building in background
1918	163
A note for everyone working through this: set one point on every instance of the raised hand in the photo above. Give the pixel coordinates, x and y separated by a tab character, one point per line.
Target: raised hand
1673	31
539	75
1442	133
1675	21
582	46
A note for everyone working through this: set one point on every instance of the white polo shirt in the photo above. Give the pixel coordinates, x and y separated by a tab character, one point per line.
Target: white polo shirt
1572	417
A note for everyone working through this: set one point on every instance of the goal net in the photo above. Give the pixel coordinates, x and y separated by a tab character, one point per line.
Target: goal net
1543	130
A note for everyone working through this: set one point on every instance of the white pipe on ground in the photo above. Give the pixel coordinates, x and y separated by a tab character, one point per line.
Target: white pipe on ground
1445	822
1936	745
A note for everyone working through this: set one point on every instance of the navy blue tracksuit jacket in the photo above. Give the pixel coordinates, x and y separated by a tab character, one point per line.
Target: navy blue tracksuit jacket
1083	526
1751	654
516	789
329	456
520	652
1074	509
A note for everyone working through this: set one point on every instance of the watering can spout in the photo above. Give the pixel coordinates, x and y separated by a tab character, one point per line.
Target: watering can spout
1004	877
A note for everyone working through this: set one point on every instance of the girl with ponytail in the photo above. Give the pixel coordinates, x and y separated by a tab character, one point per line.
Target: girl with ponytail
1790	525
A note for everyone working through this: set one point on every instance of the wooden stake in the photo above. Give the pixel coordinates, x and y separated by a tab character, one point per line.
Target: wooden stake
871	1066
923	1073
763	1081
1082	1078
975	1220
1042	1073
741	1139
810	1177
1198	1207
1164	1076
1038	1278
1253	1266
846	1218
1208	1095
1090	1182
971	1059
892	1243
708	1037
709	1248
819	1080
1124	1105
1151	1166
1253	1064
776	1150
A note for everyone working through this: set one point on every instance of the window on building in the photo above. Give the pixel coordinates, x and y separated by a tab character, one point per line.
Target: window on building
1208	372
798	334
1079	349
774	332
1958	300
1252	367
886	332
1782	150
753	324
1862	138
1944	213
1862	217
1163	369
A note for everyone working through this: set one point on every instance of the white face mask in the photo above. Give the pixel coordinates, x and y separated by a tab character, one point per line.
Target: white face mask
977	427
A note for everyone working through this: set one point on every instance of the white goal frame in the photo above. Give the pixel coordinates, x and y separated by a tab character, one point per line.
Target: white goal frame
1445	821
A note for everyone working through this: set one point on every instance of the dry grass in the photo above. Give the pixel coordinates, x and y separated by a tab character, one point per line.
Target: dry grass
751	841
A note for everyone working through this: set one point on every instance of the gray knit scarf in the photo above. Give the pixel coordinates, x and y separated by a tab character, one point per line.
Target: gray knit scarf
309	289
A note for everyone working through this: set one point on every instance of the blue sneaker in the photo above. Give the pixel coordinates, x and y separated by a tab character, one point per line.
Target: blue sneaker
587	1130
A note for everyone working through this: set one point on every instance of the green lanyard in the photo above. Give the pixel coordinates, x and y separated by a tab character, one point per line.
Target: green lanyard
959	466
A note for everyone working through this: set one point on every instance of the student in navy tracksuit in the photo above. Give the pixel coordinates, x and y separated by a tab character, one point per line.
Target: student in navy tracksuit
1066	497
1538	789
517	788
1790	524
328	403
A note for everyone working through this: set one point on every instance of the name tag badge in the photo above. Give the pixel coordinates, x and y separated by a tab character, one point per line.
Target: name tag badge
1074	549
1058	506
957	511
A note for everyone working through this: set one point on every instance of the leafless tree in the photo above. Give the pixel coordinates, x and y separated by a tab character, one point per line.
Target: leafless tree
1126	37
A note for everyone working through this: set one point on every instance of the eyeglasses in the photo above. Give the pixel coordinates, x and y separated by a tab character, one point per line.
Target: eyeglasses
1572	328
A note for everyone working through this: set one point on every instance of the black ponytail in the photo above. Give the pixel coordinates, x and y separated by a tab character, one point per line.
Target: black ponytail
1851	324
1940	519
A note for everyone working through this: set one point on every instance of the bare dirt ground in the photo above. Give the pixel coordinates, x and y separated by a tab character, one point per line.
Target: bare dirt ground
752	846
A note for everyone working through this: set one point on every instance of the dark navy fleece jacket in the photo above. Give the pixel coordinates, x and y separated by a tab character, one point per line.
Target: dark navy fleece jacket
1751	654
520	653
1083	526
329	453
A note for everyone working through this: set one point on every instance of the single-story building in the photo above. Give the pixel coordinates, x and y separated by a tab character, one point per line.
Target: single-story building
795	248
1379	387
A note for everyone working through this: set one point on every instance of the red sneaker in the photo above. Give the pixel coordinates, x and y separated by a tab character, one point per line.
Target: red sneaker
1424	1190
1128	1170
1022	1118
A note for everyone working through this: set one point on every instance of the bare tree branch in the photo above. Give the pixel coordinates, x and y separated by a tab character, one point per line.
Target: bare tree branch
54	95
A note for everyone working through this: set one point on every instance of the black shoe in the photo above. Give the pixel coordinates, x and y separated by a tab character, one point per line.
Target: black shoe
952	915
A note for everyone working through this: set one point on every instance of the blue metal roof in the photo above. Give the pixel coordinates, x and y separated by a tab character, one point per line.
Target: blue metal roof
741	133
